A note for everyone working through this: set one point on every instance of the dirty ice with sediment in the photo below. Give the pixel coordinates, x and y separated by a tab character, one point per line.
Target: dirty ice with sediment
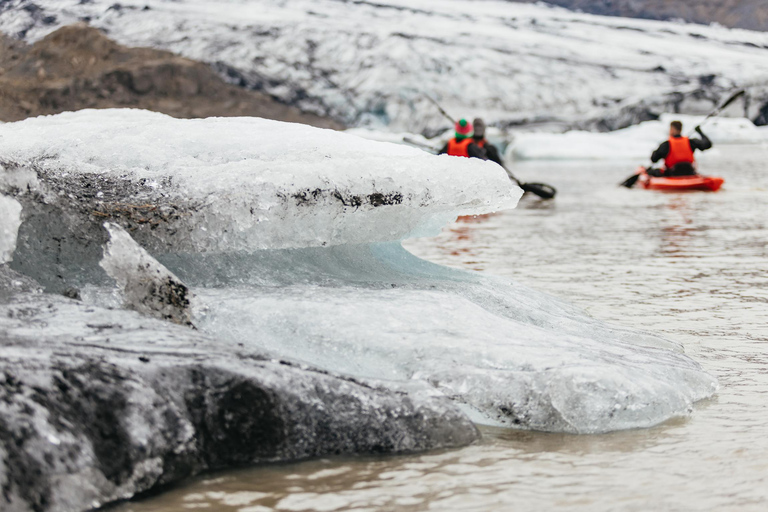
291	247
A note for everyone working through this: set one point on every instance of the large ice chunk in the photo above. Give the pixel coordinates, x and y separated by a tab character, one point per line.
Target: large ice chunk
148	287
510	355
98	405
248	183
289	245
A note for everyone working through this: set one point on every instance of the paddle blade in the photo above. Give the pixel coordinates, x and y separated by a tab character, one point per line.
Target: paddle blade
630	182
542	190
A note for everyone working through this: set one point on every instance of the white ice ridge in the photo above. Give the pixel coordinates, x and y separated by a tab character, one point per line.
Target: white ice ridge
635	142
10	220
369	62
147	286
249	183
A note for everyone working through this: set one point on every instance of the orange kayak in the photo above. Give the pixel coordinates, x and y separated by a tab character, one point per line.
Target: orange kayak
682	183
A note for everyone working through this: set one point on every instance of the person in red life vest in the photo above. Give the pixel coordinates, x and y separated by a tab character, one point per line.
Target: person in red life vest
677	152
491	152
463	144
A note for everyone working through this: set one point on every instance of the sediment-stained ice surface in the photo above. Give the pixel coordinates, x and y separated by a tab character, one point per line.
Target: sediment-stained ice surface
324	280
147	286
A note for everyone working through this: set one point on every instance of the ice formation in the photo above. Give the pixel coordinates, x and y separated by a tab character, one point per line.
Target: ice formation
147	286
635	142
248	184
98	405
10	220
511	356
323	280
370	63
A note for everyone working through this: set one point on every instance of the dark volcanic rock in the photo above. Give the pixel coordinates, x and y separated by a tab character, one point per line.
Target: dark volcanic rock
98	405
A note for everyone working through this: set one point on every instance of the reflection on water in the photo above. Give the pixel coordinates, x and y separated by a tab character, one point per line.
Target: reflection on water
678	228
691	266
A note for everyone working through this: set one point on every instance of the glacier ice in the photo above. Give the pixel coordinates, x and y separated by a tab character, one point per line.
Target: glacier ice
511	356
98	405
635	142
248	183
147	286
325	282
369	63
10	220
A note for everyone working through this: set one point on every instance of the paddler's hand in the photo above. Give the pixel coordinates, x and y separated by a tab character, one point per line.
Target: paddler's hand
698	130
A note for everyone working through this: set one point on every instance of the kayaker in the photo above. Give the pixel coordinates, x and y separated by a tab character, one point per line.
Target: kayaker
491	152
677	152
462	144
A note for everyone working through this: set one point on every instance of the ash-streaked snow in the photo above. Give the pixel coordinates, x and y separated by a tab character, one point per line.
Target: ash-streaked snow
369	63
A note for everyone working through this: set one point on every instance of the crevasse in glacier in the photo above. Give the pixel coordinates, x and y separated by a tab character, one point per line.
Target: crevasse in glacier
321	277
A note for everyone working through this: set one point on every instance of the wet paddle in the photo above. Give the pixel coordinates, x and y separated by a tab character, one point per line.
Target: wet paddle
542	190
630	182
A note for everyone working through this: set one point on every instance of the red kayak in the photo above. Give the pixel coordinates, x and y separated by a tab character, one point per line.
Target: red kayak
681	183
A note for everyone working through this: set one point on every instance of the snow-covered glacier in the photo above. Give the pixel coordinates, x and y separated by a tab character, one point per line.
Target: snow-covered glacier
370	63
289	240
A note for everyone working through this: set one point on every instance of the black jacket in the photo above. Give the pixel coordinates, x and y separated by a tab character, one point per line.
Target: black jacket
492	153
701	144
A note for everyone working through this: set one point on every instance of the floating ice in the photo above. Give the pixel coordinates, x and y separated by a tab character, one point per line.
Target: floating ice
636	142
10	220
512	356
324	280
148	287
247	183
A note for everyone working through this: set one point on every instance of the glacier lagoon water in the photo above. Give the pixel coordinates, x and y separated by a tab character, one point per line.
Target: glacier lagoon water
692	267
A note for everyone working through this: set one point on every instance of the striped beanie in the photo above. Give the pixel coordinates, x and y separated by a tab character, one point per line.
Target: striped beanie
463	129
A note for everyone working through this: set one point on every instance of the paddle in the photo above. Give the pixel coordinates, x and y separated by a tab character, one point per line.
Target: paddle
630	182
542	190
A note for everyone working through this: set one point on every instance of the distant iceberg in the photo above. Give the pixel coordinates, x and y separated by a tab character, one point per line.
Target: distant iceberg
289	238
635	142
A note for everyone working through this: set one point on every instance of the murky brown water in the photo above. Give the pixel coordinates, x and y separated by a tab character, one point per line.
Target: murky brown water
691	266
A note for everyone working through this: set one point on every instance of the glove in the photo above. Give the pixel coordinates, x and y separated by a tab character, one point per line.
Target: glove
698	130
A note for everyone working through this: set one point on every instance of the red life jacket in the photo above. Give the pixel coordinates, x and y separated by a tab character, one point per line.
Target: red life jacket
679	152
459	147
